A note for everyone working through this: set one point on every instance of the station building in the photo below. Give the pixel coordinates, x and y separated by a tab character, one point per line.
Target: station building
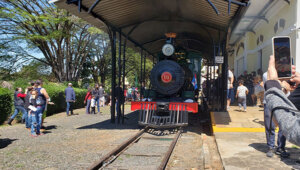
250	44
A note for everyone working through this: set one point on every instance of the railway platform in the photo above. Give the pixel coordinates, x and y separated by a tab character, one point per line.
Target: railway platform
241	140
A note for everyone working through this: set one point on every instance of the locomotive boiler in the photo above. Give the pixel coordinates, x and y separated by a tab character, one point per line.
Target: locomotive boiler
173	89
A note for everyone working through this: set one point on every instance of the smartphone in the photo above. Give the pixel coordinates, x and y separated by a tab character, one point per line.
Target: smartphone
282	54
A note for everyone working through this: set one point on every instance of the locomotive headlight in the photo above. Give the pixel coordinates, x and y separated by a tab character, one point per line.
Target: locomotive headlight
168	49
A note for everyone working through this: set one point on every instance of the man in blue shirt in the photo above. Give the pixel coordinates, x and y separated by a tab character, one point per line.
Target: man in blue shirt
70	98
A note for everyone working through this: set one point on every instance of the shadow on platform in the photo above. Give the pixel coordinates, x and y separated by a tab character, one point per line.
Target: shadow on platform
291	161
130	122
5	142
50	127
259	122
222	118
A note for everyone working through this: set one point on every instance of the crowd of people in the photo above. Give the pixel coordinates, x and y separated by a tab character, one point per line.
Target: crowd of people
251	91
95	97
32	104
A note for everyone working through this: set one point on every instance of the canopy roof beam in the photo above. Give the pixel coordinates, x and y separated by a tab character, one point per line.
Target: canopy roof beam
84	8
256	17
93	6
214	7
246	30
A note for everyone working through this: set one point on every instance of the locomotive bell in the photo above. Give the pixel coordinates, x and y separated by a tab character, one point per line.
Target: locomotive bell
168	49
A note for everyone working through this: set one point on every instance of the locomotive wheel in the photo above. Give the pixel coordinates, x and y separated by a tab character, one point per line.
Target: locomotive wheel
167	77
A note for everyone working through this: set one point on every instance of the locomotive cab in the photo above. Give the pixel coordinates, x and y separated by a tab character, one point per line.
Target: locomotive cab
173	92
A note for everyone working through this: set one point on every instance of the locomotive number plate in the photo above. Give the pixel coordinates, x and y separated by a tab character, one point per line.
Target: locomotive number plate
166	77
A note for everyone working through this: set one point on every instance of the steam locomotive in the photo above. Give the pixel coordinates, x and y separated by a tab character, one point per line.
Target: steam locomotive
173	89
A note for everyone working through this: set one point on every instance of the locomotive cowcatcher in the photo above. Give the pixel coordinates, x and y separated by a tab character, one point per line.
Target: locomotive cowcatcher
173	92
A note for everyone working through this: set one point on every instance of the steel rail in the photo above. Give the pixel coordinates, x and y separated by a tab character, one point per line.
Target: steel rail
165	161
116	151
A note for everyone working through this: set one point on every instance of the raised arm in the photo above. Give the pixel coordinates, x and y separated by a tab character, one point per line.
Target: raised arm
44	92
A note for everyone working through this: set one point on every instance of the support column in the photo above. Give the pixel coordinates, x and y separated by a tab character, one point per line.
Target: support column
207	81
119	79
224	78
124	64
152	60
113	75
141	78
144	74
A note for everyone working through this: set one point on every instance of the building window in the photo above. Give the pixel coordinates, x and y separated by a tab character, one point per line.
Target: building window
240	46
282	23
276	27
279	24
261	38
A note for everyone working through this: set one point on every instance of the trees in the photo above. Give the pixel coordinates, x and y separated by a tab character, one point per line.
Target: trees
36	30
99	58
35	25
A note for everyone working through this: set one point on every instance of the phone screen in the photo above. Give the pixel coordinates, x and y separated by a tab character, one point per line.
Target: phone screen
282	54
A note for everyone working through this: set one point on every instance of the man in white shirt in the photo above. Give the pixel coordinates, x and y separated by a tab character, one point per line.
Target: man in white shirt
230	80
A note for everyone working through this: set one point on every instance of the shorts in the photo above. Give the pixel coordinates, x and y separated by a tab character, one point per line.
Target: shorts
260	95
229	93
102	99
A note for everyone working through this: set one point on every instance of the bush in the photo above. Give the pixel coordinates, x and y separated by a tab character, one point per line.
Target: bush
5	104
57	96
23	83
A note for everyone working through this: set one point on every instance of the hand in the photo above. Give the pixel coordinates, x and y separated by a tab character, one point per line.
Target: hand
84	102
231	86
295	77
286	85
272	72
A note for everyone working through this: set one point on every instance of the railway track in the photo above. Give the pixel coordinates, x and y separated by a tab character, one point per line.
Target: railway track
162	152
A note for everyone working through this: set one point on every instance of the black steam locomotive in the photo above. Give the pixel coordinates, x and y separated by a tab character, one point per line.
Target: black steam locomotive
173	92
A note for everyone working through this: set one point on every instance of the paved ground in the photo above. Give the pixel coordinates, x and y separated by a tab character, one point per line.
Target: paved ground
76	142
241	141
73	142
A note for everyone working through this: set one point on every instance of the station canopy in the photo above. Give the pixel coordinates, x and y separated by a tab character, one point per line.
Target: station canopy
199	24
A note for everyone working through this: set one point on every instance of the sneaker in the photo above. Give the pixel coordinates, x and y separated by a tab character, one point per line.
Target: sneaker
33	135
270	153
245	110
40	134
282	152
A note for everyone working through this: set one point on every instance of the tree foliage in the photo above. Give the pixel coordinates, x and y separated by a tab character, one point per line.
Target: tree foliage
63	39
38	36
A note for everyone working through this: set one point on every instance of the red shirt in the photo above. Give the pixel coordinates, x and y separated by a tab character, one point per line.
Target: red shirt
88	96
22	95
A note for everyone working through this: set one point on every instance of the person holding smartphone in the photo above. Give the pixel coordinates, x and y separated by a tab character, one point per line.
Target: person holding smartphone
284	110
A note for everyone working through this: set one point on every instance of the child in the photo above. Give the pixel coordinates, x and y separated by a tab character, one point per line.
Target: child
241	94
32	113
93	104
